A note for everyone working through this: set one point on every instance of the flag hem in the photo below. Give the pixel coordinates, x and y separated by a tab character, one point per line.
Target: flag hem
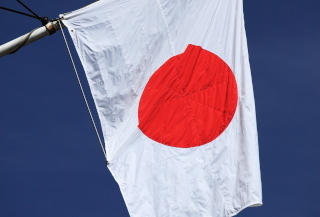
248	205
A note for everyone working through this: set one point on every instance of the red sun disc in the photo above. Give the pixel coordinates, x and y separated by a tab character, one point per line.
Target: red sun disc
189	101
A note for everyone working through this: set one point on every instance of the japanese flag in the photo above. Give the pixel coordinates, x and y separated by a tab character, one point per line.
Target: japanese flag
172	86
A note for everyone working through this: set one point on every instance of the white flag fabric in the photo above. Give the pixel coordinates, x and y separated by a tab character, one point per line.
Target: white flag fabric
172	86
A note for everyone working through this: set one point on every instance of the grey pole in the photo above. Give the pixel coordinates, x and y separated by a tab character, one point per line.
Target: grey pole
28	38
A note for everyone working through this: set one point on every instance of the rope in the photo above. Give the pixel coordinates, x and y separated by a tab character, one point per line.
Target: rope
18	12
23	43
83	94
43	20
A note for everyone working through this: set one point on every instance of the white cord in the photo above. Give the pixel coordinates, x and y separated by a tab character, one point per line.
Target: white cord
82	91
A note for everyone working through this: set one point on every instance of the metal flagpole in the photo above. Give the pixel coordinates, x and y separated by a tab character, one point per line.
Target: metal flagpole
48	28
36	34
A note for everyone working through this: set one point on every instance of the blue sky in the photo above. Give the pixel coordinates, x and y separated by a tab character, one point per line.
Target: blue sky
50	161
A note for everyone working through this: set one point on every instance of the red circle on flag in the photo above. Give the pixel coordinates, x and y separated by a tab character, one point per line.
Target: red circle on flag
189	101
